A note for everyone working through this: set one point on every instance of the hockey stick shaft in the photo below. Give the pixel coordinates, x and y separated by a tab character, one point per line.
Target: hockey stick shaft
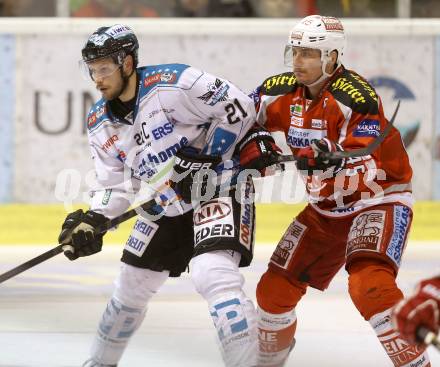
60	248
428	337
355	152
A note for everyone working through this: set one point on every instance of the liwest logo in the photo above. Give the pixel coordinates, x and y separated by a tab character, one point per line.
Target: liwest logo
118	30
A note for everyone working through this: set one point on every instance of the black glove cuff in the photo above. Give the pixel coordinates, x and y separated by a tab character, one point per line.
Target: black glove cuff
255	134
185	161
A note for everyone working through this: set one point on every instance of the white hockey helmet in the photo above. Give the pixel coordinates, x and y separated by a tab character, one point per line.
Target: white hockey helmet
319	32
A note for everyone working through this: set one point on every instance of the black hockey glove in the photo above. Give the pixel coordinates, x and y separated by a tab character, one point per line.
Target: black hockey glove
188	176
311	158
257	149
78	231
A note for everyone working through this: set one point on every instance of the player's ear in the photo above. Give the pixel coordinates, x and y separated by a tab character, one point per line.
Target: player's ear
334	56
128	64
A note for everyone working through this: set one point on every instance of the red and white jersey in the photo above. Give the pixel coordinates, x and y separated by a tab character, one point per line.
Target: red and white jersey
348	111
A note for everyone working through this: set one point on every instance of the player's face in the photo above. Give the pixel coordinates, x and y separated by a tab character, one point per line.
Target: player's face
107	77
307	64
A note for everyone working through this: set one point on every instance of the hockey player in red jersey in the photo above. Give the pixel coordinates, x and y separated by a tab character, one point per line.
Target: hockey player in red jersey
421	310
359	212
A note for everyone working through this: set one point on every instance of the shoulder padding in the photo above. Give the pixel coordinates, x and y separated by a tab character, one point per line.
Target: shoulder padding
352	90
279	84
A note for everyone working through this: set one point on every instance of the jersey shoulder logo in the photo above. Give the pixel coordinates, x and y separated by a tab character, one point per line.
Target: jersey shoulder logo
166	74
354	91
217	92
97	115
279	84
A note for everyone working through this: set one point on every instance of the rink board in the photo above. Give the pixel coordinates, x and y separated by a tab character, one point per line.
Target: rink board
245	53
40	224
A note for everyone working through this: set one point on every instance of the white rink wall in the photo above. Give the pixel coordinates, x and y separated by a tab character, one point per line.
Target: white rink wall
43	98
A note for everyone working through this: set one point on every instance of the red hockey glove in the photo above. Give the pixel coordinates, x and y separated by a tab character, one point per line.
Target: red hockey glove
310	158
422	309
258	149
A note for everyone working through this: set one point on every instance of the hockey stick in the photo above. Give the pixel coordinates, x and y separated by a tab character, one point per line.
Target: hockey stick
60	248
351	153
428	337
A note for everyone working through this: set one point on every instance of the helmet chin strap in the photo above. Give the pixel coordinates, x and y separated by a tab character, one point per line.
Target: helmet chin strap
325	60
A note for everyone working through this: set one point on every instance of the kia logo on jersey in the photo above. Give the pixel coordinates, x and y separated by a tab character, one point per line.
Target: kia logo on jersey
211	211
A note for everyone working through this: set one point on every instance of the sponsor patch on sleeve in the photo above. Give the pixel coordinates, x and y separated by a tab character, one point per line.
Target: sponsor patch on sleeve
367	128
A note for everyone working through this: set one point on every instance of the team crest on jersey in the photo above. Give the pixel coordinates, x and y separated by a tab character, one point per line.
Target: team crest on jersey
217	92
296	110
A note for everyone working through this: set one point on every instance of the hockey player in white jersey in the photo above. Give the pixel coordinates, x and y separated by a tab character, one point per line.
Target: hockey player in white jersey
150	120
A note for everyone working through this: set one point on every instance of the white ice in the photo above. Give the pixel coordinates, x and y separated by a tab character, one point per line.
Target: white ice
48	315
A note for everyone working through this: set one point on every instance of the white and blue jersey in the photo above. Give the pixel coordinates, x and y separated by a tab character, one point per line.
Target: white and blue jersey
176	106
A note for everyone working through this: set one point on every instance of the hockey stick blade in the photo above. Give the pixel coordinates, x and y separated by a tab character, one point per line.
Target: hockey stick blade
60	248
355	152
428	337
